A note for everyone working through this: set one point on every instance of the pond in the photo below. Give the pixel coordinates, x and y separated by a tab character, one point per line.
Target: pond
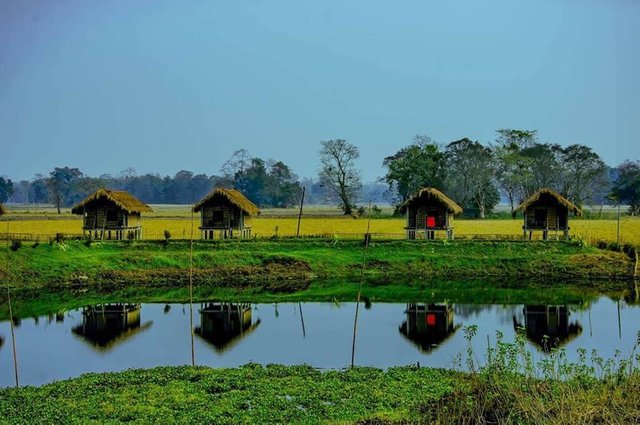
114	337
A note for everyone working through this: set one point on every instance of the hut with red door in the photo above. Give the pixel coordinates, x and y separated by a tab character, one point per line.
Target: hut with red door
429	211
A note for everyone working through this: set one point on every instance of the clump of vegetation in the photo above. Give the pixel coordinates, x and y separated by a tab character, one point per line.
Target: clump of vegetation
167	236
88	240
16	245
511	388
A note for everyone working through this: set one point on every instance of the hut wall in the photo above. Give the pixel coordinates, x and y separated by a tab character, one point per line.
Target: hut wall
556	218
105	216
247	220
221	217
420	214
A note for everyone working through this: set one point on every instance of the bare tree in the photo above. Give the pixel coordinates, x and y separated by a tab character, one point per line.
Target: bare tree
338	174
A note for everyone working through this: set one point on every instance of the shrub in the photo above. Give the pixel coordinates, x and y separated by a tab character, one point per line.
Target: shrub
16	245
167	235
88	240
613	246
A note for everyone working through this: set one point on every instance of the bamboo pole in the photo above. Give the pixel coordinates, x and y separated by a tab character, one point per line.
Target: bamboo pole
618	229
300	213
364	259
13	338
304	332
193	351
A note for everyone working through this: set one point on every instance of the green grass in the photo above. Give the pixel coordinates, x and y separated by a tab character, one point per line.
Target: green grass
249	394
291	262
301	394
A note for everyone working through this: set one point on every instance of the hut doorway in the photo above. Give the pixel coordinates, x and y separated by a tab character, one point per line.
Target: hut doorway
540	217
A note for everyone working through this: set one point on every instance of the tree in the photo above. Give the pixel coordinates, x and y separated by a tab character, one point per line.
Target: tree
338	173
421	164
584	173
39	190
626	189
282	189
60	183
471	170
512	168
6	189
541	166
240	160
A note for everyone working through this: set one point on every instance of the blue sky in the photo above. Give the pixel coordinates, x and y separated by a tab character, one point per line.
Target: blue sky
167	85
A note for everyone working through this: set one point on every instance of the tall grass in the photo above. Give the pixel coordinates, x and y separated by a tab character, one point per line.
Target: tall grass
510	387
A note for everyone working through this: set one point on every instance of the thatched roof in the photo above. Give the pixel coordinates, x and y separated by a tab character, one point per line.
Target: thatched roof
236	198
429	193
548	193
2	210
122	199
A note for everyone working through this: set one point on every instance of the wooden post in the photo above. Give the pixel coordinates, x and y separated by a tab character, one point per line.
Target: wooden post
300	213
618	231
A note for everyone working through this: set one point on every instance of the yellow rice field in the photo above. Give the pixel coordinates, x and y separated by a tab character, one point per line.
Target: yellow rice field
180	227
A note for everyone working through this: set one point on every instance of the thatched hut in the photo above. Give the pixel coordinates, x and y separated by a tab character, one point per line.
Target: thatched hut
428	211
428	325
2	210
547	211
224	324
226	212
548	326
111	214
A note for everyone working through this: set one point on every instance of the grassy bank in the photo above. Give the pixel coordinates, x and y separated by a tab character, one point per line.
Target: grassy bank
300	394
290	265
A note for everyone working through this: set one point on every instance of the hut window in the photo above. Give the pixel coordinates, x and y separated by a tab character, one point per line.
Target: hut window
112	215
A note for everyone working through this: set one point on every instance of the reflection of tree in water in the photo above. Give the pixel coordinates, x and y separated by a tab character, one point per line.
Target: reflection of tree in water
547	326
472	311
224	324
1	341
428	325
104	325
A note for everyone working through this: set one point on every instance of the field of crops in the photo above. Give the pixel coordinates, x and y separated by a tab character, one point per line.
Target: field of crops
178	223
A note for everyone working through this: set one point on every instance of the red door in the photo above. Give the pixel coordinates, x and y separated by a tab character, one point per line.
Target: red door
431	221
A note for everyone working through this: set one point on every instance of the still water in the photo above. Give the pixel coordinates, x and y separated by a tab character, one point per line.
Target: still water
114	337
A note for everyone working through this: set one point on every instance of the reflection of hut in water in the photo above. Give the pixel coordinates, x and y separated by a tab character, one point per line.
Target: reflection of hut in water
428	325
107	324
223	324
548	326
1	341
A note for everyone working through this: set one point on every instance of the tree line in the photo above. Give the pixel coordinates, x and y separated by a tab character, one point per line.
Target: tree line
477	176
